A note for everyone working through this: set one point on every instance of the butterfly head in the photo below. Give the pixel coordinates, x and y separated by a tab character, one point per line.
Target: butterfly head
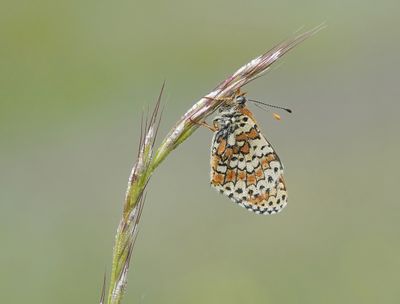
237	101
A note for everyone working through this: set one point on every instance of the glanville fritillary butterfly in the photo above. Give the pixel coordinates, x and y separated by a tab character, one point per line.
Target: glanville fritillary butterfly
244	166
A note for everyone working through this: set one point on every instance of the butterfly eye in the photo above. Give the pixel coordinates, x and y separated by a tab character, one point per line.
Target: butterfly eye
241	100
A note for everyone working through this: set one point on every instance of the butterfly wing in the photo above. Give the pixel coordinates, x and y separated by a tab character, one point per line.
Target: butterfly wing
245	167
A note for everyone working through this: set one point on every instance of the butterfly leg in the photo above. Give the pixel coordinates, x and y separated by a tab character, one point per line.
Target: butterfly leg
213	128
238	92
219	98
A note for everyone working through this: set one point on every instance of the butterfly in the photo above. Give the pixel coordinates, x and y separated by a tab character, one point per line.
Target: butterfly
244	166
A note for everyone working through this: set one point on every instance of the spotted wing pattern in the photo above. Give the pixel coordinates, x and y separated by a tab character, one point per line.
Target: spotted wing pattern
244	166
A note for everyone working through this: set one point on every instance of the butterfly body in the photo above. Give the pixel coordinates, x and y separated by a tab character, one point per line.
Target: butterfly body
244	166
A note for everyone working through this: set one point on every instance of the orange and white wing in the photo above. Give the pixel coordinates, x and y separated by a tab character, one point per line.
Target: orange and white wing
245	167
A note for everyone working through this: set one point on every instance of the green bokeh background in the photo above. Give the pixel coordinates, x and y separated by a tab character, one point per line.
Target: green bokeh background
74	78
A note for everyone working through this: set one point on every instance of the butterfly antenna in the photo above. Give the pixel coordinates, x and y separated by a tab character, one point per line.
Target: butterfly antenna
260	107
270	105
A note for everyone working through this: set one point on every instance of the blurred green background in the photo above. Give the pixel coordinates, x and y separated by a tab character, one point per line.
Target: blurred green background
74	78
